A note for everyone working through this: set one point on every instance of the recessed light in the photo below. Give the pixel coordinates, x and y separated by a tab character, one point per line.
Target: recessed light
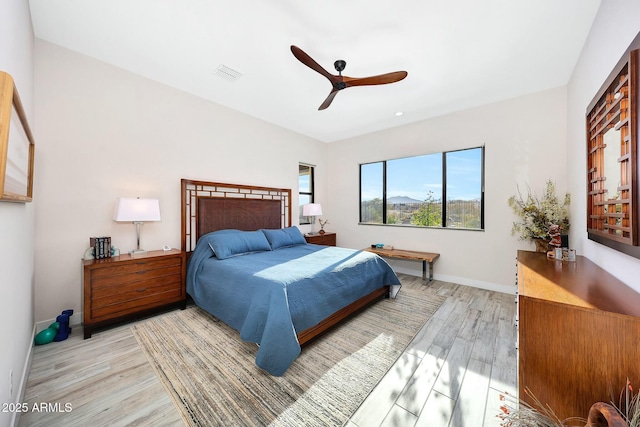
399	113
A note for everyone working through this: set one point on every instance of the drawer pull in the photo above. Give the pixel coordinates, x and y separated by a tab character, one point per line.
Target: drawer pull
141	290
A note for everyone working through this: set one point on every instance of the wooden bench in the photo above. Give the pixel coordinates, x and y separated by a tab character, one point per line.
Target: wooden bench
425	257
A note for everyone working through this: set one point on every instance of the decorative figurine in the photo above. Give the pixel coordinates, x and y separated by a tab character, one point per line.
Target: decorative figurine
554	233
322	222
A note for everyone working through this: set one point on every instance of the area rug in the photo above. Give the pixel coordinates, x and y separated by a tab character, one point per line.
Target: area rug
212	377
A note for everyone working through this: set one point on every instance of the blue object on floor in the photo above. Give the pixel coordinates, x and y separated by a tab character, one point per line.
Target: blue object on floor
64	330
57	331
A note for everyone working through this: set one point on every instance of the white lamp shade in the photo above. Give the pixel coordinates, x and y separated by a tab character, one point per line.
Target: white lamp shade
137	210
312	209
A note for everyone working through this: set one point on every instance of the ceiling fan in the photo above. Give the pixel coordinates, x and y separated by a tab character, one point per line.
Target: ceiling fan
339	81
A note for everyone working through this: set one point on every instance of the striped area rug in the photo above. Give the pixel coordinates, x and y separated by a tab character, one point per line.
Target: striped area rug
212	377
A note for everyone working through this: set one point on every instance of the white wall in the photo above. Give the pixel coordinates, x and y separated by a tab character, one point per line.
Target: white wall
105	133
614	28
525	145
16	221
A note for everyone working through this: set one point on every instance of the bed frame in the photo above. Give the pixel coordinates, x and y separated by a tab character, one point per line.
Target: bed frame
210	206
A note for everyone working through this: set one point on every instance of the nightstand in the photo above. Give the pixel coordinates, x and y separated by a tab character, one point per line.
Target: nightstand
327	239
124	287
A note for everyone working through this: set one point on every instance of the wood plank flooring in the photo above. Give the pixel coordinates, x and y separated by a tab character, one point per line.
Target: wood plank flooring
451	375
454	371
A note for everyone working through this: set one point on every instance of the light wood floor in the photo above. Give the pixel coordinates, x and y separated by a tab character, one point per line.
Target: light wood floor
454	371
451	374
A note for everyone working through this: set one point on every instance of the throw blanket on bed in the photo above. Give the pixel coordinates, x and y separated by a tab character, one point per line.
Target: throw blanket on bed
269	295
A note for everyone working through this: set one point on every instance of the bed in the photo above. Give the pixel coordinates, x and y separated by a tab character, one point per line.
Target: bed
252	270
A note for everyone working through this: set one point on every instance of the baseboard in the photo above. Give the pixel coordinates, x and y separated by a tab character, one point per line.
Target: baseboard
495	287
15	419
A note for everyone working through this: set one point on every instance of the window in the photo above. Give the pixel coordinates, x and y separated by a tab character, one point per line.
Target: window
371	193
464	191
410	191
305	189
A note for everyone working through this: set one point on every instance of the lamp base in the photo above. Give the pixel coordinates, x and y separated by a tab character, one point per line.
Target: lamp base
137	252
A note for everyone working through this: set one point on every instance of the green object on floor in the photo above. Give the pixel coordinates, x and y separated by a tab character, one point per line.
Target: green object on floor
46	336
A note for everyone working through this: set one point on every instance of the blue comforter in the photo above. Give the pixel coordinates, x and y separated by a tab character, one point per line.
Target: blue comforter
269	296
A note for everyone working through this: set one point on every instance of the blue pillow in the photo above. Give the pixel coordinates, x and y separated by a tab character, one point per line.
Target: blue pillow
228	243
283	237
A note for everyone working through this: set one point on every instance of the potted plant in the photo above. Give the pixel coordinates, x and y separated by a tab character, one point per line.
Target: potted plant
541	219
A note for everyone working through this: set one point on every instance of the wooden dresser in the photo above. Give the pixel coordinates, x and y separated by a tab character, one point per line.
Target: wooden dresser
578	332
124	287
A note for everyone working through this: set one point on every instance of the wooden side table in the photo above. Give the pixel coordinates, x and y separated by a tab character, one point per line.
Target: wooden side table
327	239
426	258
124	287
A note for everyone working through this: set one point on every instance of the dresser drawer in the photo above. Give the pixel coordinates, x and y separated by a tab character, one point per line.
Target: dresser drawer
117	281
117	293
135	298
137	267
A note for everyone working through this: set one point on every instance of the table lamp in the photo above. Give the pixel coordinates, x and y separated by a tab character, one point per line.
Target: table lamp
137	211
312	210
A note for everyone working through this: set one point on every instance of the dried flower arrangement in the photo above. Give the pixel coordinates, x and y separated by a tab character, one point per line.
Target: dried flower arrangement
518	413
539	215
629	406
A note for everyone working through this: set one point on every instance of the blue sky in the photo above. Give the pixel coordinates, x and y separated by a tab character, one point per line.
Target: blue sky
415	176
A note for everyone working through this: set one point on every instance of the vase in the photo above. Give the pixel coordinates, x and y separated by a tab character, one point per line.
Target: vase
541	245
604	415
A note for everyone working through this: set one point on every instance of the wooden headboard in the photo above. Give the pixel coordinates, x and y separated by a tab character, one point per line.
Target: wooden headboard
210	206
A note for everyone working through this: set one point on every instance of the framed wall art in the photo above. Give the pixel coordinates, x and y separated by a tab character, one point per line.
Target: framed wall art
16	145
613	184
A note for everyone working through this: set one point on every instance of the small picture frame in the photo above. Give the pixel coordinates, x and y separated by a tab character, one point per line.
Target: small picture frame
16	145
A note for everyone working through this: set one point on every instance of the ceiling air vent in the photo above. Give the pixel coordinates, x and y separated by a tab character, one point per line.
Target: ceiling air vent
227	73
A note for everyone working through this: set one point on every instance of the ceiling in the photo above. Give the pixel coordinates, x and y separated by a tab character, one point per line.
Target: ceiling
458	54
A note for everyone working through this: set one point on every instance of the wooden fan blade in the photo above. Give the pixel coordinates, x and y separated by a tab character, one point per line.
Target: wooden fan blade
375	80
309	62
327	101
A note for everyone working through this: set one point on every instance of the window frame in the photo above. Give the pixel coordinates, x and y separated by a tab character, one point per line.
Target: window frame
443	192
303	220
